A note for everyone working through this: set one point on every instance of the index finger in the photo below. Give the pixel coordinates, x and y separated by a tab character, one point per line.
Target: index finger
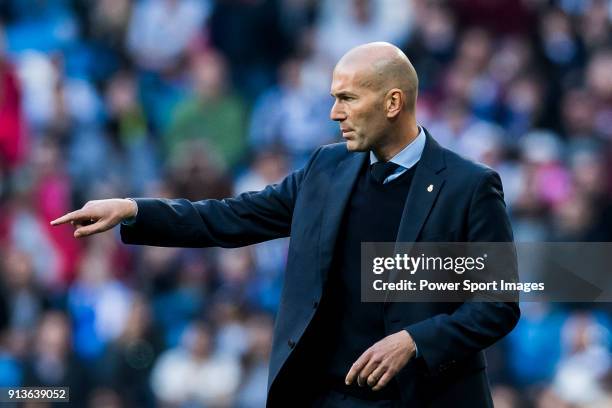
71	216
357	367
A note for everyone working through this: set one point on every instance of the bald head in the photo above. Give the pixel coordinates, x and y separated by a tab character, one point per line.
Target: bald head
381	66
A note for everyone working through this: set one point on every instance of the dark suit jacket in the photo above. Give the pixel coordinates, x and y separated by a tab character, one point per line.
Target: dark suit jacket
465	205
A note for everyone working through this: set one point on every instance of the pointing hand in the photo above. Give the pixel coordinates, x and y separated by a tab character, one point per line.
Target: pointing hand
98	216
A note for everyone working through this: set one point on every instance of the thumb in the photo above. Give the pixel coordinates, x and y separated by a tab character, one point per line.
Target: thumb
100	225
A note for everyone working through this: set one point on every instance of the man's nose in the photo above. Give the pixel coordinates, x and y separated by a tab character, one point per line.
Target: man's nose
336	113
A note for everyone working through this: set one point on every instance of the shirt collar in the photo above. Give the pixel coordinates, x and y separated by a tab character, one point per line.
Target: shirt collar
410	155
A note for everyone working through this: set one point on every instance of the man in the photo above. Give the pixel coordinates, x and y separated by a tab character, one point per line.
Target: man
390	181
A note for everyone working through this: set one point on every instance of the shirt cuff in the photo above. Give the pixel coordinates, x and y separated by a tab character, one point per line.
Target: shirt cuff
416	348
131	220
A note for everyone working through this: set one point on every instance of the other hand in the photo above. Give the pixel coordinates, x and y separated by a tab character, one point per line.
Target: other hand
98	216
379	364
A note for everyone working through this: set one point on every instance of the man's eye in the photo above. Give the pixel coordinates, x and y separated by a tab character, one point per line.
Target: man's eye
344	98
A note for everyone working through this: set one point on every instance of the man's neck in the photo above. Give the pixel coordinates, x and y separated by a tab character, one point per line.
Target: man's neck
396	144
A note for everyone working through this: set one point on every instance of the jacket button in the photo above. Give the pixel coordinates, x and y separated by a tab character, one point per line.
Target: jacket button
291	343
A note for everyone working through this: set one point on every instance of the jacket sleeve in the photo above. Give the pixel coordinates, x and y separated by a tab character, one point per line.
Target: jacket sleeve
446	339
247	219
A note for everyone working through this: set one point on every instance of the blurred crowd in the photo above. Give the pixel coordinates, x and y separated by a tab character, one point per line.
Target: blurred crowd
210	98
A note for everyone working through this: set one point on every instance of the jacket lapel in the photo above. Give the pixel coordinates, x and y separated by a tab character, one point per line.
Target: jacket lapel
426	185
418	205
339	191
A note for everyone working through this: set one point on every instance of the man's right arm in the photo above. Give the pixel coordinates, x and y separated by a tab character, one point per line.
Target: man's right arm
249	218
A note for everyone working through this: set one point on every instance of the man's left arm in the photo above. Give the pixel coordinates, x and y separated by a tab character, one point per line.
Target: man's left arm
446	339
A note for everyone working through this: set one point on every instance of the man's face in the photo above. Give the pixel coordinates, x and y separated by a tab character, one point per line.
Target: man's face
359	108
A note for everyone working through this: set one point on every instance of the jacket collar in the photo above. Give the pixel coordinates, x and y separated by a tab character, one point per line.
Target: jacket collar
425	188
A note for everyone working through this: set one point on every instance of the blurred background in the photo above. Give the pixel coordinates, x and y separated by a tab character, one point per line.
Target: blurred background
207	99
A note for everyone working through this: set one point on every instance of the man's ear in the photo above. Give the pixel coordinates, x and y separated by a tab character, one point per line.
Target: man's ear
394	101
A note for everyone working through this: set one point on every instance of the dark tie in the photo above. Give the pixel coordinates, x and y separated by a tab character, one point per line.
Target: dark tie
382	170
